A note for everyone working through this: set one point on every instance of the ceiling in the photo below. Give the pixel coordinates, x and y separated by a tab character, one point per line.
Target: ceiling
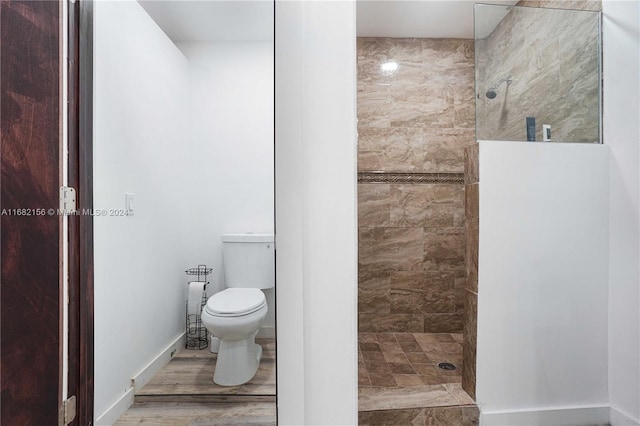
247	20
231	20
422	19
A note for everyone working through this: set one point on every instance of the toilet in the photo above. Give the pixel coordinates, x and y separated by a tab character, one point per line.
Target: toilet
235	314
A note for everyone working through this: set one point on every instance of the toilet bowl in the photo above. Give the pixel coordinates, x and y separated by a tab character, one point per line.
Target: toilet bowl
234	316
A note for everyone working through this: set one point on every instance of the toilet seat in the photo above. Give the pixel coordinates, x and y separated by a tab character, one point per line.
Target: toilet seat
235	302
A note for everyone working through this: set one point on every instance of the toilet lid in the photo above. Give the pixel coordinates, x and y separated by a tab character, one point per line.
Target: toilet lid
235	301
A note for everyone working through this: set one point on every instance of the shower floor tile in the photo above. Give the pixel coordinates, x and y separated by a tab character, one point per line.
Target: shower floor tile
398	360
400	382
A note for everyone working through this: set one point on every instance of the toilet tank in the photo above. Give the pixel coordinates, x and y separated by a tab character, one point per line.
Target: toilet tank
249	260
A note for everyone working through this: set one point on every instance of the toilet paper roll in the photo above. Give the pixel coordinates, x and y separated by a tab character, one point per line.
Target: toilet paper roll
194	302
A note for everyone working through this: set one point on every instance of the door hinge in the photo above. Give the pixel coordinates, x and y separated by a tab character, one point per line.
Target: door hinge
67	200
67	411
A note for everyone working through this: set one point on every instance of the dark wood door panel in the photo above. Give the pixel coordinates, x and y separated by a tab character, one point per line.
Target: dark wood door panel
29	149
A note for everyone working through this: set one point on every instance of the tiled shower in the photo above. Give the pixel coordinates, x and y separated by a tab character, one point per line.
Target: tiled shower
413	124
416	113
421	110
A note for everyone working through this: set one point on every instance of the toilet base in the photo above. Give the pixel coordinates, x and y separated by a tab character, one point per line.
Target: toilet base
238	361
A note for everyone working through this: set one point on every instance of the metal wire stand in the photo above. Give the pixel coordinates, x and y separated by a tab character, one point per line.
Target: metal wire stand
197	336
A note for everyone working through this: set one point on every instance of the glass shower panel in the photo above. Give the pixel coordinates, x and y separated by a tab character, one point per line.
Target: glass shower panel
540	64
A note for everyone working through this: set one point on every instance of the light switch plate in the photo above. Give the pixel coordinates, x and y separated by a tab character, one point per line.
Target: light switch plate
129	203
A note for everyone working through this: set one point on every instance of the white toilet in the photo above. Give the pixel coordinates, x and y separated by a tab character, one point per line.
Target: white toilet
235	314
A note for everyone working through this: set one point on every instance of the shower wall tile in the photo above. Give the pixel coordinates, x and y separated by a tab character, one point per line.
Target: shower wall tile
371	160
443	323
472	252
431	91
384	249
418	119
405	301
469	344
444	249
594	5
373	301
371	279
555	74
373	205
471	163
422	205
472	230
397	323
460	285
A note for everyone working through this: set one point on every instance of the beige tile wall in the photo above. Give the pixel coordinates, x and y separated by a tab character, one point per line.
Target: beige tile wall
472	216
411	236
553	58
595	5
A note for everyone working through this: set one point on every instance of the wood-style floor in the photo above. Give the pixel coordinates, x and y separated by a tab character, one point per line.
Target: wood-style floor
190	373
183	393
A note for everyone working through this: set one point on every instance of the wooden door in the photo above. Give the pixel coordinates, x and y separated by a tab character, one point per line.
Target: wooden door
30	350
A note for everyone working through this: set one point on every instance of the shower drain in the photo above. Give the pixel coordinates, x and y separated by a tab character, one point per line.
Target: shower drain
446	366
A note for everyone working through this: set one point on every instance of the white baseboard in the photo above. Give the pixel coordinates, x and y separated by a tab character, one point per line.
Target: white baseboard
562	416
159	361
118	408
267	332
620	418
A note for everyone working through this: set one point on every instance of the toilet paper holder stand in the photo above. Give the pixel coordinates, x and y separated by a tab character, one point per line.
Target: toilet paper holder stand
197	336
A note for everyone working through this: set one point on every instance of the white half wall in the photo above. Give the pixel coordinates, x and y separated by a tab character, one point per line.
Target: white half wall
231	124
140	117
621	71
542	298
316	212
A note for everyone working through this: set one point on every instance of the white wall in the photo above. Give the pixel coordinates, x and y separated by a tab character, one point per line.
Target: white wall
542	299
231	124
140	146
621	50
316	212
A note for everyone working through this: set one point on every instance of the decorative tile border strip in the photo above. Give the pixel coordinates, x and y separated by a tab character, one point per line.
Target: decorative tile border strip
396	177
